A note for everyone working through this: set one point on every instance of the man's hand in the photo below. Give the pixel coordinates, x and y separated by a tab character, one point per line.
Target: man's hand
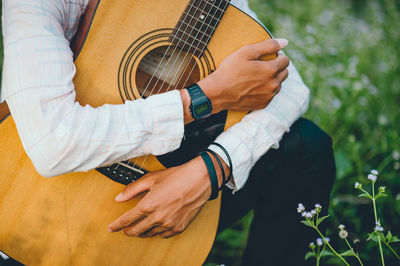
175	197
242	81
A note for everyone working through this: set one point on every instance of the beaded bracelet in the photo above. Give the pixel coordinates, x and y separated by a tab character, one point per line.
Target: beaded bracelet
229	160
211	173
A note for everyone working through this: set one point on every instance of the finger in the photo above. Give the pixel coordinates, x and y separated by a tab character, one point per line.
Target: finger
277	90
156	230
168	234
282	76
128	218
133	189
139	228
282	62
271	46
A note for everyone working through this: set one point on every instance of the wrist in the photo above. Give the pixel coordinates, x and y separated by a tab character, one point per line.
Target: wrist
211	89
187	116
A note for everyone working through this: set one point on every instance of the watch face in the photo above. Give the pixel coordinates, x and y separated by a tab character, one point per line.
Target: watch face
202	109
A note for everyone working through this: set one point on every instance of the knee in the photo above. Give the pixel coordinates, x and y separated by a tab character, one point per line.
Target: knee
315	141
312	145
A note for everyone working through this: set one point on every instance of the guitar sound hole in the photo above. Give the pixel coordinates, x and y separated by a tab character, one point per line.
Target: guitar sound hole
166	68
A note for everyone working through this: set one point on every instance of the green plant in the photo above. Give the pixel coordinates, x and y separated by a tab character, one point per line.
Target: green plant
313	220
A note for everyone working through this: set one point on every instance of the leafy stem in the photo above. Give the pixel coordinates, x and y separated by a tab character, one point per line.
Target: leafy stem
391	249
329	245
354	253
376	221
318	255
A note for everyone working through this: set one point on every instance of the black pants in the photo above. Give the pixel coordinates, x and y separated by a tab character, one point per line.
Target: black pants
301	170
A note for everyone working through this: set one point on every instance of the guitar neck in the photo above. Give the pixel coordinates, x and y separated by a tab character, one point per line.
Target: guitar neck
197	25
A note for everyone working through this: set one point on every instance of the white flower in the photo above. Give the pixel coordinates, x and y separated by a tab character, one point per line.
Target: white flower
319	242
309	215
379	228
343	234
318	206
374	172
355	241
327	239
300	208
313	212
357	185
311	245
341	226
372	177
383	120
304	214
396	155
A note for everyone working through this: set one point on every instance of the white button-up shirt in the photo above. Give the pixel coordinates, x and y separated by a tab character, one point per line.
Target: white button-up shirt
60	136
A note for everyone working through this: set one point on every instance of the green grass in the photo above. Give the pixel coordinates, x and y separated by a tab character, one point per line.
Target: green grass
348	54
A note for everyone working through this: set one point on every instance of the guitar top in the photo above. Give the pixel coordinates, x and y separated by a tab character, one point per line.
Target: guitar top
121	50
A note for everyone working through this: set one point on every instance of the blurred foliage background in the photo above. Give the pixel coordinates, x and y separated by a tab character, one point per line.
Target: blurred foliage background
348	52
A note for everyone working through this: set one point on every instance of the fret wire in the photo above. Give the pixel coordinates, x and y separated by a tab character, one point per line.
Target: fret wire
199	20
213	6
208	26
191	71
202	11
195	29
216	8
190	36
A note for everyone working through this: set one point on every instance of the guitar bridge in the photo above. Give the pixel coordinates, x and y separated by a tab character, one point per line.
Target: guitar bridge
124	172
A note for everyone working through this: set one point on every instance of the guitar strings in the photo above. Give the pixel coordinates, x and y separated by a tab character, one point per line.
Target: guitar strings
187	53
191	71
166	52
208	13
176	48
197	47
191	5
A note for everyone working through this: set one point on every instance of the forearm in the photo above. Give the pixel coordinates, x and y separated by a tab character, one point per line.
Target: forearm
61	136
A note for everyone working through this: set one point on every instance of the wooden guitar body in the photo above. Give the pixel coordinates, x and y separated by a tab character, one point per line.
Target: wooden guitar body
63	220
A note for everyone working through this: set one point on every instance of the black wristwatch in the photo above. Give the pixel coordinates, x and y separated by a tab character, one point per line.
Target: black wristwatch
200	105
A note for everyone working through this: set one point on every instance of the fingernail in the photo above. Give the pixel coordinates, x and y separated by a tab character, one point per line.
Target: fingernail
109	230
282	42
119	197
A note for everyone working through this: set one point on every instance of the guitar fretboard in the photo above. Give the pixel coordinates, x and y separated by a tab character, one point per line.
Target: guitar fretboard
197	25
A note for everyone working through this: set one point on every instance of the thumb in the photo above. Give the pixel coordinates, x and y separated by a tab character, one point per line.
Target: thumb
271	46
133	189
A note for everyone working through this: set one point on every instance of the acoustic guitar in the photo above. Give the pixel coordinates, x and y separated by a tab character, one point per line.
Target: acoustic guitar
124	50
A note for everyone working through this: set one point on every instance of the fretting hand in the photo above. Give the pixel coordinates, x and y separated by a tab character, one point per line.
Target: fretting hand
242	81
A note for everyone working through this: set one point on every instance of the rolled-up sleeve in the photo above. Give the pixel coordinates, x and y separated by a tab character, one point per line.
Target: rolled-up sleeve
58	134
261	130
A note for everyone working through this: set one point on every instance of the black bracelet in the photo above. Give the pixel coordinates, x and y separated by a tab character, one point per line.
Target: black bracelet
229	160
220	166
211	173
